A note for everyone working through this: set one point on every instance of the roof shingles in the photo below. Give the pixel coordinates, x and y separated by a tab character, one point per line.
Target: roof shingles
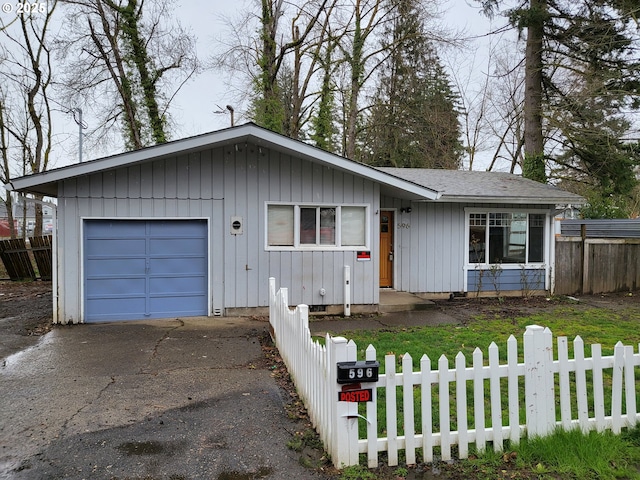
460	185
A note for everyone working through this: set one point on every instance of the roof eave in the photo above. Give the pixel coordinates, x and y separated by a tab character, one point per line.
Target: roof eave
551	200
46	189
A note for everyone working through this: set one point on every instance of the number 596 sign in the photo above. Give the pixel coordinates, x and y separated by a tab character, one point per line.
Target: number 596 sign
356	372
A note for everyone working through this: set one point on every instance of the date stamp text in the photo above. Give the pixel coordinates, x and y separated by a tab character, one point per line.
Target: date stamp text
24	8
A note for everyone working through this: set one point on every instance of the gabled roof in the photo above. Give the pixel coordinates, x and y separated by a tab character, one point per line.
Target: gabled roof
46	183
487	187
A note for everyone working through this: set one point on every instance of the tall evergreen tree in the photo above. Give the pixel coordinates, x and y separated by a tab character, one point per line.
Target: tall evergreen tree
413	121
589	102
582	76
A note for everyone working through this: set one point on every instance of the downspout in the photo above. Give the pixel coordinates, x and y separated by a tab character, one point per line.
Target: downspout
54	262
347	290
551	270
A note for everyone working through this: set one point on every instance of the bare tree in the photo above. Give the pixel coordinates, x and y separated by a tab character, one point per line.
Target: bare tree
277	52
269	107
506	120
328	56
128	54
5	163
306	64
28	79
474	104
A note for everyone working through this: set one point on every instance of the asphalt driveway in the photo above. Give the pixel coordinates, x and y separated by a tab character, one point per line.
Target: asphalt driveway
168	399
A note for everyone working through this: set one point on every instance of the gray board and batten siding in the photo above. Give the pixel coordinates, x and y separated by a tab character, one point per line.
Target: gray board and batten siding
431	239
215	185
428	247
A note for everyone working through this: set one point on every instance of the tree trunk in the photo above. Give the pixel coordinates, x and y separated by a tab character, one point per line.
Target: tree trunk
357	66
37	207
534	166
120	78
140	58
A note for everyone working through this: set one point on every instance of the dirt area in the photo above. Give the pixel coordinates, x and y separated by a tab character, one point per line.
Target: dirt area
25	307
466	309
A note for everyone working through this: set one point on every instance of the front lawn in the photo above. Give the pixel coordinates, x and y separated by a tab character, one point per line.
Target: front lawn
602	325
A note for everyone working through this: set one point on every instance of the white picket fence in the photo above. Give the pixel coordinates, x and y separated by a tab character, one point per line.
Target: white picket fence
556	392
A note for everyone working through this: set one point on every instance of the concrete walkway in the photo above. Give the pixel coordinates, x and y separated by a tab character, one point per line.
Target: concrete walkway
401	317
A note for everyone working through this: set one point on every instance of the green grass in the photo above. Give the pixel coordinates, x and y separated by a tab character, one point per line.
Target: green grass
592	325
567	454
564	454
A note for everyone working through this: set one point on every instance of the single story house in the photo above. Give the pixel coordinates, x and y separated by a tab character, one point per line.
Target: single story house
197	226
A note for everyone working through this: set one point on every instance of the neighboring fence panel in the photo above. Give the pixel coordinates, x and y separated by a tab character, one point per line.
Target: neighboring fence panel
481	403
601	228
596	265
15	255
41	248
611	265
597	256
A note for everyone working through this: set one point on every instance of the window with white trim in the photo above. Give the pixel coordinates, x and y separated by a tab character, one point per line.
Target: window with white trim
317	226
506	237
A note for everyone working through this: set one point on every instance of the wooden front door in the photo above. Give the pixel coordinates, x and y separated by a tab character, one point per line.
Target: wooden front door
386	248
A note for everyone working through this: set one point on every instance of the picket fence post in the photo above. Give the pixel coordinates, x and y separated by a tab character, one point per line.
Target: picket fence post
538	381
272	294
344	421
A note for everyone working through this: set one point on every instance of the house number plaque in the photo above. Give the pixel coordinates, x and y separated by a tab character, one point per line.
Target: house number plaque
356	372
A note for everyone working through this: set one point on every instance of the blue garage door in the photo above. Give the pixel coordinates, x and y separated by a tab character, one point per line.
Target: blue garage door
137	269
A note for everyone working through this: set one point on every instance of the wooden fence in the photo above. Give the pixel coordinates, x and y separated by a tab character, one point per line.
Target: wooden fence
596	265
17	256
485	403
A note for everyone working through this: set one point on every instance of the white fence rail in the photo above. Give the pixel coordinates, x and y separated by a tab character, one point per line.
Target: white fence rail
482	403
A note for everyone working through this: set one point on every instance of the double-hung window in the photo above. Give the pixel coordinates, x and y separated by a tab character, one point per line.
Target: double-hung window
318	227
506	237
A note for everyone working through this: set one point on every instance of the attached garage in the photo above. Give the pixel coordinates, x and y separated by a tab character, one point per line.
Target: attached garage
144	269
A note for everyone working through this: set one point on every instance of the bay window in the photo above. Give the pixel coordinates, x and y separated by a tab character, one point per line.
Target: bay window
316	226
506	237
